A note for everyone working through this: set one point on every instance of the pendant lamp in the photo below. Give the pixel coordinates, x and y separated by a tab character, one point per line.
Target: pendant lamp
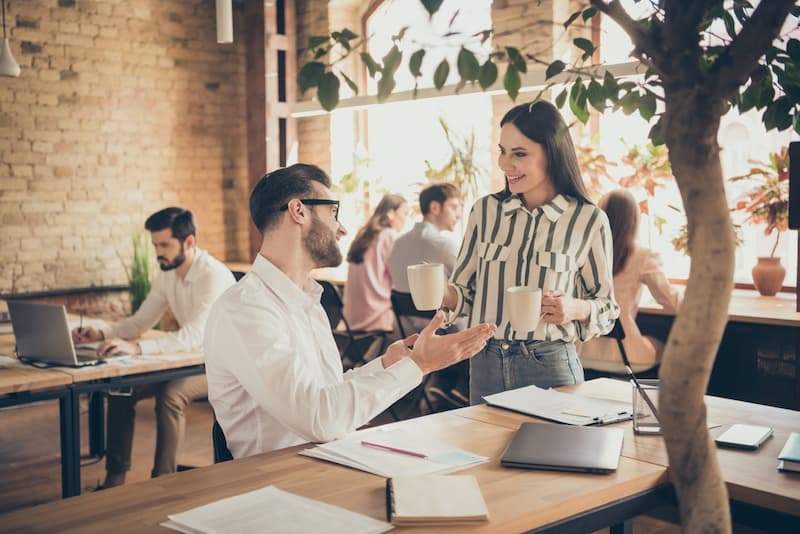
8	66
224	21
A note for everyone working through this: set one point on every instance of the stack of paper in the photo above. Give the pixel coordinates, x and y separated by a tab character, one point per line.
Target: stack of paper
394	452
561	407
272	511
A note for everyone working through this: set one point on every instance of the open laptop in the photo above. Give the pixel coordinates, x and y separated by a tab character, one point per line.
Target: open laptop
584	449
43	335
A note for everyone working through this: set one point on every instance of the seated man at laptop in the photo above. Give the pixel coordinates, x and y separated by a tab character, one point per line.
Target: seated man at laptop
190	282
274	373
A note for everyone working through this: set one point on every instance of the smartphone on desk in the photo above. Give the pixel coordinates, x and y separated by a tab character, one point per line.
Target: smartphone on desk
749	437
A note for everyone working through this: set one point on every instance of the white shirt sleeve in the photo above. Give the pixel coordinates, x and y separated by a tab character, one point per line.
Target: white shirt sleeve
148	314
287	384
189	336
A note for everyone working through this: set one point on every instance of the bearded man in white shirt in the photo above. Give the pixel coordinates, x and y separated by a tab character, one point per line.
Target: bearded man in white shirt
274	373
190	282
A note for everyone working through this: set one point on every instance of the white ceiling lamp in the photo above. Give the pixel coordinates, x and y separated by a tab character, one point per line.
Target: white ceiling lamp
224	21
8	66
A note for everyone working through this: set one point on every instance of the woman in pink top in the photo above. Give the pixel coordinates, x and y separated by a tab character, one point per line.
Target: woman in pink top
634	267
367	295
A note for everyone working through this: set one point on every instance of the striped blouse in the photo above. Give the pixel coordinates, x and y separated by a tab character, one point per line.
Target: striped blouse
564	245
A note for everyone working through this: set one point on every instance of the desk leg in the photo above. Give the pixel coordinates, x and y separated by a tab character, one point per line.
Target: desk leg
70	445
97	431
626	527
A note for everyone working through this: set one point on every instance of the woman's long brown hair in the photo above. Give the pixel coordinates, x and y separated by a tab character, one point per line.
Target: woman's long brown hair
623	218
375	225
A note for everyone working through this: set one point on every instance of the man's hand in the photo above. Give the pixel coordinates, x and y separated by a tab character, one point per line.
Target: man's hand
557	308
398	350
116	346
433	352
87	334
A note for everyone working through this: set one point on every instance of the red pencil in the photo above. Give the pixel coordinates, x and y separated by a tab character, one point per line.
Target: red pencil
393	449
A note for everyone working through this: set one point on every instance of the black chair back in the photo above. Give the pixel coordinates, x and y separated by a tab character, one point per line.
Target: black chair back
403	306
221	452
618	333
332	304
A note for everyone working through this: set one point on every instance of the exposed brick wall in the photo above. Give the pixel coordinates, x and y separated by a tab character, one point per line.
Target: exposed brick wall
122	108
313	133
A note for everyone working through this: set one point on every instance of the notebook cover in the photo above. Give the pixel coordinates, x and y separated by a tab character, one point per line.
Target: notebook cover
791	450
435	500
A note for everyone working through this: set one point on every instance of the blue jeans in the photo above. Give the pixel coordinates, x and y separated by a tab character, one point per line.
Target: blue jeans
504	365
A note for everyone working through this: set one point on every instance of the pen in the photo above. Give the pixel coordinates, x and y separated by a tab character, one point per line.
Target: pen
393	449
645	396
80	326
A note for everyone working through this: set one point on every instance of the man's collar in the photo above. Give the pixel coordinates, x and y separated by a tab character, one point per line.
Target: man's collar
552	210
194	270
283	287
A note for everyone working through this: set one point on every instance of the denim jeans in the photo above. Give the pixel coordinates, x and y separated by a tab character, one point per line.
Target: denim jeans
504	365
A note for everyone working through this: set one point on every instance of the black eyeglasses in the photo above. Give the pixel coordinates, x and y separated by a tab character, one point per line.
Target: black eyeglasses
317	202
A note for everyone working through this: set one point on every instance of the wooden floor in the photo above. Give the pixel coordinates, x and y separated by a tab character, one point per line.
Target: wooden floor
30	467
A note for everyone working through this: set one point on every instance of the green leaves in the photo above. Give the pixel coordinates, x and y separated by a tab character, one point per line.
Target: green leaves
516	60
415	63
554	68
309	76
328	91
585	45
391	62
344	37
577	101
488	74
432	6
467	65
512	81
596	95
372	66
314	41
440	74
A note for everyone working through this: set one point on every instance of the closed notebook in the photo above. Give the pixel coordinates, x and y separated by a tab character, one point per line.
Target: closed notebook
790	454
435	500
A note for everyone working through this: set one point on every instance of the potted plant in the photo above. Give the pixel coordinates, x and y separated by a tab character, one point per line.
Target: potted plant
768	203
138	273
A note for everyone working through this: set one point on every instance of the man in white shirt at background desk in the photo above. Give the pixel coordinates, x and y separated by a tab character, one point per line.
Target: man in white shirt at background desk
274	373
190	282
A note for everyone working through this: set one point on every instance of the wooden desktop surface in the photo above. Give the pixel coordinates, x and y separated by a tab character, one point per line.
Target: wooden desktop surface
751	476
748	306
518	500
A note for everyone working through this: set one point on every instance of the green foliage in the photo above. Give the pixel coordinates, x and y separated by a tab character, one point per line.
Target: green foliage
139	272
461	168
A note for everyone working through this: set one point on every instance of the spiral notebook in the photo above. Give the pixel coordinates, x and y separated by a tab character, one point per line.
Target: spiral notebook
435	500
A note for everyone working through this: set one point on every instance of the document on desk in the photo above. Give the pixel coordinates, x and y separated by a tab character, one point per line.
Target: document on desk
270	510
394	452
561	407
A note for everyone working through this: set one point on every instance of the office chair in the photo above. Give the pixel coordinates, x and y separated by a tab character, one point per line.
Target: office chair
221	452
617	333
353	344
403	306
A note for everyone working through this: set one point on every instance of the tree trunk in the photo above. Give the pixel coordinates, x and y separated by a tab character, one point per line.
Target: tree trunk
691	122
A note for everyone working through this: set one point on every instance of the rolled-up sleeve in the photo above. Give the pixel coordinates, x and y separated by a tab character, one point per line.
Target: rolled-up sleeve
596	283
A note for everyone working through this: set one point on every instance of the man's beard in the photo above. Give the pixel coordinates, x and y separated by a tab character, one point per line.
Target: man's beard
321	244
174	264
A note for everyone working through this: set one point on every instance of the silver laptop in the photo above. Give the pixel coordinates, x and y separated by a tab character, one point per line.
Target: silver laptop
584	449
43	335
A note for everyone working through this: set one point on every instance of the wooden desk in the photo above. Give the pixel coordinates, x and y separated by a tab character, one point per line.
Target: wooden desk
748	307
22	384
751	477
518	500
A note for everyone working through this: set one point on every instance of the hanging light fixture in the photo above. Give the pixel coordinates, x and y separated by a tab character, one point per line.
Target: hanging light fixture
8	66
224	21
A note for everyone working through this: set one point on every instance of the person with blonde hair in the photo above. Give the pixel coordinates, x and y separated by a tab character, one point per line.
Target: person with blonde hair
634	268
367	296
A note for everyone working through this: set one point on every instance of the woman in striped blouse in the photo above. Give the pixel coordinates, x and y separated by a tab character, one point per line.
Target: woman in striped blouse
541	231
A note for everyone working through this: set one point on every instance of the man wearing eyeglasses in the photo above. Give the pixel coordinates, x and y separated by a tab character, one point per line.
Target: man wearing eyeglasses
274	373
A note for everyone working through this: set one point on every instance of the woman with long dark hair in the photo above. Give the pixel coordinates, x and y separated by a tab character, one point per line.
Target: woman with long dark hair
541	231
367	296
634	268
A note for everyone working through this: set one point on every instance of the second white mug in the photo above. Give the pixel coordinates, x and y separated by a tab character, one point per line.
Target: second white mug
426	282
524	306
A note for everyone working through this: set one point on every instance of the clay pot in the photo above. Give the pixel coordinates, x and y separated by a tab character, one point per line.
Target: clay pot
768	275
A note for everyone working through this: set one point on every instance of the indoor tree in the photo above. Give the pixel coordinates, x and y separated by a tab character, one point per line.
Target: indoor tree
702	58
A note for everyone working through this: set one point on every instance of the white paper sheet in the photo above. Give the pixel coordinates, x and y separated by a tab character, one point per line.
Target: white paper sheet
270	510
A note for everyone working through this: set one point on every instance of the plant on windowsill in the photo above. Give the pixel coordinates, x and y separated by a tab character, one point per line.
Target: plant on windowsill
462	168
768	203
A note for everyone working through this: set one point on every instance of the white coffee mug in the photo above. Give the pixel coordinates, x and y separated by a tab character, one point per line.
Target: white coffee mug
426	282
524	306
